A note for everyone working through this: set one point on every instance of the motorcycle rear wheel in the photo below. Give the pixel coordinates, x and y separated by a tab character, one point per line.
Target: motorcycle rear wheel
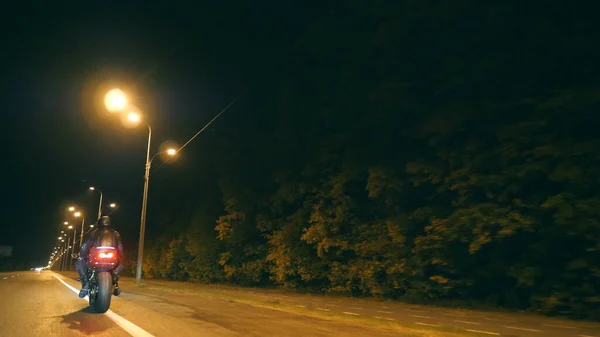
104	292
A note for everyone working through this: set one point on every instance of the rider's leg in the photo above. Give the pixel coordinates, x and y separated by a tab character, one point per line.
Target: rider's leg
116	275
81	267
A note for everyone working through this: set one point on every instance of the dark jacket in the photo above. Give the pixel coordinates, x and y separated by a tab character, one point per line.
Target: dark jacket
102	237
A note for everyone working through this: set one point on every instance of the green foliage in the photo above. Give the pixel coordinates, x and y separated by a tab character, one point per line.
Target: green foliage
411	161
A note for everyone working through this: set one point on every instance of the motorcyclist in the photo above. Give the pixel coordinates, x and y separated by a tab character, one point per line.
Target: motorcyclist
102	236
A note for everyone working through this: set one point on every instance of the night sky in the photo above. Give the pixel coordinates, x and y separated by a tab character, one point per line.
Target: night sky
184	63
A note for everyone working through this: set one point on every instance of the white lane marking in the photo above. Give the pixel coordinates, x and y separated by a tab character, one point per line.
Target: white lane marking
4	278
560	326
499	319
484	332
356	308
419	316
323	309
385	312
385	307
351	313
467	322
11	276
126	325
300	306
426	324
387	319
519	328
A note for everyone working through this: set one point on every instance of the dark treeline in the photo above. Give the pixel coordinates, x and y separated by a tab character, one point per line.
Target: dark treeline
421	150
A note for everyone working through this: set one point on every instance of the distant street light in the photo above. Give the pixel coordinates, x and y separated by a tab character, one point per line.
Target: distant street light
71	209
113	205
77	214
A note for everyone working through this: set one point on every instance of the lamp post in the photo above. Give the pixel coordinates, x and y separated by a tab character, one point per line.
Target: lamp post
63	249
92	188
138	271
73	246
116	101
58	252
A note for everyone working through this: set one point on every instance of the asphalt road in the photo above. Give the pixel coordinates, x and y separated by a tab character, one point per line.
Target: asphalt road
34	304
46	304
39	304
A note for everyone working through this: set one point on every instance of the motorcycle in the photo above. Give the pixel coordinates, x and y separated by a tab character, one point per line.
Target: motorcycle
101	262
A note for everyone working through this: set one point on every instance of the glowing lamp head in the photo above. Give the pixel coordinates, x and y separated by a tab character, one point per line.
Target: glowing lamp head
171	152
115	100
134	117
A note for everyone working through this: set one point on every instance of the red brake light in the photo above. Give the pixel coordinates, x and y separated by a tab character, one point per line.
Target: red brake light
103	255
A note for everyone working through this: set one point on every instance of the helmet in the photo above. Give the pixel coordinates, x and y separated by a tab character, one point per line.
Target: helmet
104	221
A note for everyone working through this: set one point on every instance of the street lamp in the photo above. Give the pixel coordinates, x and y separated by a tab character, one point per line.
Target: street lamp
73	246
71	209
116	100
92	188
78	214
113	205
170	152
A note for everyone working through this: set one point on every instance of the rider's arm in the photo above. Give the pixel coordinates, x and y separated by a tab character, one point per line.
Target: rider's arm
119	243
85	247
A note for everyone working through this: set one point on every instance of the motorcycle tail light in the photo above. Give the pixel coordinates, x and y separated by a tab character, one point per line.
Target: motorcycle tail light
106	255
